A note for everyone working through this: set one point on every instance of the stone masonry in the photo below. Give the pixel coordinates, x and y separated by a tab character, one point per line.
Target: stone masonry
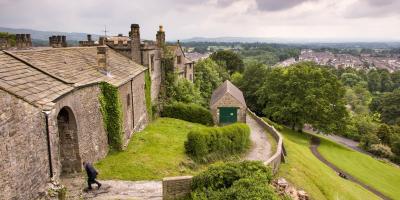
176	187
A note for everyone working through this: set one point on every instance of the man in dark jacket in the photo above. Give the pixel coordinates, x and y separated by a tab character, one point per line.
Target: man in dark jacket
92	174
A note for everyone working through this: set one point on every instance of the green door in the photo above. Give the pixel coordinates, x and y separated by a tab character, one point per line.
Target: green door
227	115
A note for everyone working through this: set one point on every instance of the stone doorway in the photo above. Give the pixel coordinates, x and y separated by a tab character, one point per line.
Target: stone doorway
68	142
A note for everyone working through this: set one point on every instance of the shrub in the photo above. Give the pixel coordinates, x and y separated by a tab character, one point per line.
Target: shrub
188	112
244	180
381	150
208	144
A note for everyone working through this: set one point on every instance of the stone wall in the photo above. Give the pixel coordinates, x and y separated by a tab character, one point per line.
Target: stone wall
280	152
190	72
24	168
92	137
228	101
176	187
125	94
139	102
152	60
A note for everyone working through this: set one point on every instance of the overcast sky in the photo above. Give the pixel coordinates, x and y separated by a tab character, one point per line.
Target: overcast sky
309	19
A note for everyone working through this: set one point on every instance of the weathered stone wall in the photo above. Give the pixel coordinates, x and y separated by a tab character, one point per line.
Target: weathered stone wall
176	187
24	168
228	101
139	103
190	72
125	94
154	69
92	137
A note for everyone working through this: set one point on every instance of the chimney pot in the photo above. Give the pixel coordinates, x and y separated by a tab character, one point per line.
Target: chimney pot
89	37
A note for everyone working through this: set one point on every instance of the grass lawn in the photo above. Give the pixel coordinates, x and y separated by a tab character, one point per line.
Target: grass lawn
382	176
307	172
156	152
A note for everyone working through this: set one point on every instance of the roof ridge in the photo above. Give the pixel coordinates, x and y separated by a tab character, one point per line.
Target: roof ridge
37	68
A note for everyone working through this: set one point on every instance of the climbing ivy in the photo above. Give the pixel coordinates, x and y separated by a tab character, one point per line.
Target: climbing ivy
111	108
147	86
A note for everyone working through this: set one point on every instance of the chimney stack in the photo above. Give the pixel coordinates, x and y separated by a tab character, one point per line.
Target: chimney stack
102	59
135	43
89	38
160	37
57	41
23	41
102	40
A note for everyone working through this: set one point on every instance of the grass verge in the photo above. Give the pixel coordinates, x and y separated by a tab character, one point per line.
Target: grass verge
382	176
305	171
156	152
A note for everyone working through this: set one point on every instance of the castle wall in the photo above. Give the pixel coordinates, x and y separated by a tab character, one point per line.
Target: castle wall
24	168
139	102
92	137
125	93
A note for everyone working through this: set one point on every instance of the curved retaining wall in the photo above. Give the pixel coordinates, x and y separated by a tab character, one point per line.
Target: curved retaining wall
280	153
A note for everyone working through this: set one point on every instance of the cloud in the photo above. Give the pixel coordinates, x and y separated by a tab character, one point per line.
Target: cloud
278	5
373	8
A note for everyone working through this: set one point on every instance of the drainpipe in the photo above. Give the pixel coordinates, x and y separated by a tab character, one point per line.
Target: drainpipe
46	114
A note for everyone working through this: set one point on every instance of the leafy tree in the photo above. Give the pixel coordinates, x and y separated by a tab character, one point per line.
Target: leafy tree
231	59
350	79
385	134
390	107
304	93
237	79
374	81
395	77
252	79
207	77
386	81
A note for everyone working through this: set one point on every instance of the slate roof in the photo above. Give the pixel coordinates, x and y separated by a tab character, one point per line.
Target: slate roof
227	87
40	76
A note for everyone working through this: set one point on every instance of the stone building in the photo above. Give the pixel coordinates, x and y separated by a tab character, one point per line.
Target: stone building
50	119
183	66
228	105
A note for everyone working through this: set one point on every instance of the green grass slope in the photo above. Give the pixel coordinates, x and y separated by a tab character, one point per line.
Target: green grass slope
384	177
156	152
306	172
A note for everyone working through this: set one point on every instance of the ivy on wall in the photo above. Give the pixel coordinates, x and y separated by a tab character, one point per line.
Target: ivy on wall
147	86
111	108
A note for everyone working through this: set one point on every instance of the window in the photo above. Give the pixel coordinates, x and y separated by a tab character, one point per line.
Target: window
128	100
152	62
179	59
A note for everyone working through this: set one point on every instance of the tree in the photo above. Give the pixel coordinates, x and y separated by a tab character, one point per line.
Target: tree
374	81
385	134
186	92
252	79
350	79
386	81
304	93
390	107
207	77
232	60
237	79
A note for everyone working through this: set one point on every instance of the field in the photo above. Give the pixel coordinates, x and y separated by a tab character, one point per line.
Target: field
380	175
154	153
306	172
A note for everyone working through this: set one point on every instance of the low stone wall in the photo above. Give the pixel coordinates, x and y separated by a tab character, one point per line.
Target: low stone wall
280	153
176	187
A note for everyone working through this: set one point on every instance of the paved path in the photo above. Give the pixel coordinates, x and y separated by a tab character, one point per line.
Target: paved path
314	149
113	189
261	148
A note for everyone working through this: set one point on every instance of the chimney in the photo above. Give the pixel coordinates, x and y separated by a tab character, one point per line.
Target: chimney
102	59
64	41
160	37
57	41
135	43
102	40
89	38
23	40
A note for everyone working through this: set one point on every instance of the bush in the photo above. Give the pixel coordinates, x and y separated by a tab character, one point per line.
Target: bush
381	150
188	112
368	140
214	143
244	180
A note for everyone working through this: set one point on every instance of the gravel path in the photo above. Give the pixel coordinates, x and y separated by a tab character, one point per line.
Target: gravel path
314	149
261	148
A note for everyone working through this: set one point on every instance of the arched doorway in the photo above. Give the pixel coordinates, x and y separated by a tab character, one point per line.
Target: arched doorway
68	145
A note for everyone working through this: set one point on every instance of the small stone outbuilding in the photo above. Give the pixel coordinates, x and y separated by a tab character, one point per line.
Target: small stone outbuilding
228	105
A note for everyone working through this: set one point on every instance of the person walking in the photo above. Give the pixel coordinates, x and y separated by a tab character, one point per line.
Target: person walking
92	174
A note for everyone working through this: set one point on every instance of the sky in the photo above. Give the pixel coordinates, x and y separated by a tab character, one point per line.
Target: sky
356	20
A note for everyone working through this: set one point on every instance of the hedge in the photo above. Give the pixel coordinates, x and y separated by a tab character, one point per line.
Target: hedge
208	144
243	180
188	112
